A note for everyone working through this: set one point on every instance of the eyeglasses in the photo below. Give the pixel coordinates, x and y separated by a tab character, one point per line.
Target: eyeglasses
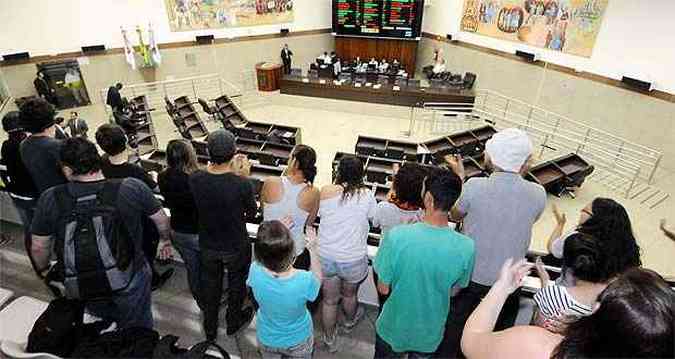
589	213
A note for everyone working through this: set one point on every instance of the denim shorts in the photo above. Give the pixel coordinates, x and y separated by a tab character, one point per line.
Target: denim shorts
302	350
350	272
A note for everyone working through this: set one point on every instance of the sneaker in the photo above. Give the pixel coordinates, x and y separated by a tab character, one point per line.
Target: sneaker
349	325
247	315
331	341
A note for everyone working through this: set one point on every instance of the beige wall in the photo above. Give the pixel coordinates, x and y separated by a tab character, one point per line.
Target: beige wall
642	119
228	59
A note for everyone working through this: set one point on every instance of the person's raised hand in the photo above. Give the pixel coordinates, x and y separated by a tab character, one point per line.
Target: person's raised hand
541	271
311	239
165	251
560	218
395	167
456	164
241	165
512	275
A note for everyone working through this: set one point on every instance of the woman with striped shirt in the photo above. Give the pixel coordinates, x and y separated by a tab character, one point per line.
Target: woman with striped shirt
592	269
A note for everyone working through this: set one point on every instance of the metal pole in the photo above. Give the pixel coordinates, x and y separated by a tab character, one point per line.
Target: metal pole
583	145
656	166
194	89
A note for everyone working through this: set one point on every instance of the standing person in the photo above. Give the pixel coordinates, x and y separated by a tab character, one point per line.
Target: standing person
115	164
284	326
403	206
225	200
345	210
174	185
77	126
18	182
114	99
119	205
40	151
498	213
60	133
42	88
287	59
294	195
419	265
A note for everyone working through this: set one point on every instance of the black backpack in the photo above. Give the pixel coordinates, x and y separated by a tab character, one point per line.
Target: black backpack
94	248
57	329
134	342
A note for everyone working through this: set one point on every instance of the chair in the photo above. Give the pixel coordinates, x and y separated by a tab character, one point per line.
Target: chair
469	80
208	109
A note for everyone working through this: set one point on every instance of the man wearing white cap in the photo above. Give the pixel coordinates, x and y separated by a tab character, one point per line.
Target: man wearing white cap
498	213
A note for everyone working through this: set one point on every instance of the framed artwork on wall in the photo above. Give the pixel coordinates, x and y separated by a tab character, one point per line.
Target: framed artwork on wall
568	26
190	15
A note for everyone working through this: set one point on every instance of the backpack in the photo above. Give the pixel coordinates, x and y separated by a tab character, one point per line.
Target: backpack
94	249
57	329
134	342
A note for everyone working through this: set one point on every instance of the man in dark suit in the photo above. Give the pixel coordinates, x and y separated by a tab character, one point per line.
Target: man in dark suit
114	99
43	89
286	58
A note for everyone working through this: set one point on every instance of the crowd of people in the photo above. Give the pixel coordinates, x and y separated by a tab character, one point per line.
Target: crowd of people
445	290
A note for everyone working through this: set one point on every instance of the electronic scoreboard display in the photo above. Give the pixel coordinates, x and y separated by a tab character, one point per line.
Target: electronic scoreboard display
399	19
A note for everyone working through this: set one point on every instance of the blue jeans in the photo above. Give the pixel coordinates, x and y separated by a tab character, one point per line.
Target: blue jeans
384	350
131	307
188	246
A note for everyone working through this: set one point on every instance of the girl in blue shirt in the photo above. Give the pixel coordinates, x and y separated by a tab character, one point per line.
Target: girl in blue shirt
284	325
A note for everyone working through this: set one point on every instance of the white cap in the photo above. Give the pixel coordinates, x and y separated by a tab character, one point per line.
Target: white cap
509	149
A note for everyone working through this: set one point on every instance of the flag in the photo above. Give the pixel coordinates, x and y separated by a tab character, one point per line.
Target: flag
143	49
128	49
154	49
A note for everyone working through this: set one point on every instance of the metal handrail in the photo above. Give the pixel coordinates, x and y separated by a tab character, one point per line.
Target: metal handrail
612	149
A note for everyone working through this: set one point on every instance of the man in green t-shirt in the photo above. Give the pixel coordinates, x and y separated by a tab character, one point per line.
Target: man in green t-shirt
419	265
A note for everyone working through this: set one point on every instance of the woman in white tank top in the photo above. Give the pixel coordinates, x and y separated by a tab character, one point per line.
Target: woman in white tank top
345	210
293	196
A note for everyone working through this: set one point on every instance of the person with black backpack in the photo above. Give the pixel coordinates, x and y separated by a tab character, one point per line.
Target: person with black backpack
94	227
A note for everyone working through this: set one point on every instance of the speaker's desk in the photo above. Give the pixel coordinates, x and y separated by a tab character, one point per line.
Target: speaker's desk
385	94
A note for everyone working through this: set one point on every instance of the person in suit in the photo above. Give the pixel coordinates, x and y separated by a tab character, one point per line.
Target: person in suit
287	59
114	99
43	89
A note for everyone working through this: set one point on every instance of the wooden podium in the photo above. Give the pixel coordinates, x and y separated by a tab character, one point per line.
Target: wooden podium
269	76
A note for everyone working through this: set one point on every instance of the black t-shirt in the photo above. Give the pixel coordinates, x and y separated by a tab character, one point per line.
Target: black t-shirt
175	187
41	157
20	181
224	203
134	201
126	170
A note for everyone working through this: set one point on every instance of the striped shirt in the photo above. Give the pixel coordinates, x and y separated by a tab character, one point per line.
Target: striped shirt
556	302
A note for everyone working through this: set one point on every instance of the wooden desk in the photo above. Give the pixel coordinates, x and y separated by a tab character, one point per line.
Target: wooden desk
406	96
268	75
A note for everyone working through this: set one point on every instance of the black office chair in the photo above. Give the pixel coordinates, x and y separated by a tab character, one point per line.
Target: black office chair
469	80
209	110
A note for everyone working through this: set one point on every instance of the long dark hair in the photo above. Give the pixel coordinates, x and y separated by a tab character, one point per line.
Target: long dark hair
635	320
180	155
305	157
350	176
611	225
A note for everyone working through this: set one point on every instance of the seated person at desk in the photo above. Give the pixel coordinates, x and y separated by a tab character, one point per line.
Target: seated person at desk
373	62
333	57
439	67
384	66
337	66
323	59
